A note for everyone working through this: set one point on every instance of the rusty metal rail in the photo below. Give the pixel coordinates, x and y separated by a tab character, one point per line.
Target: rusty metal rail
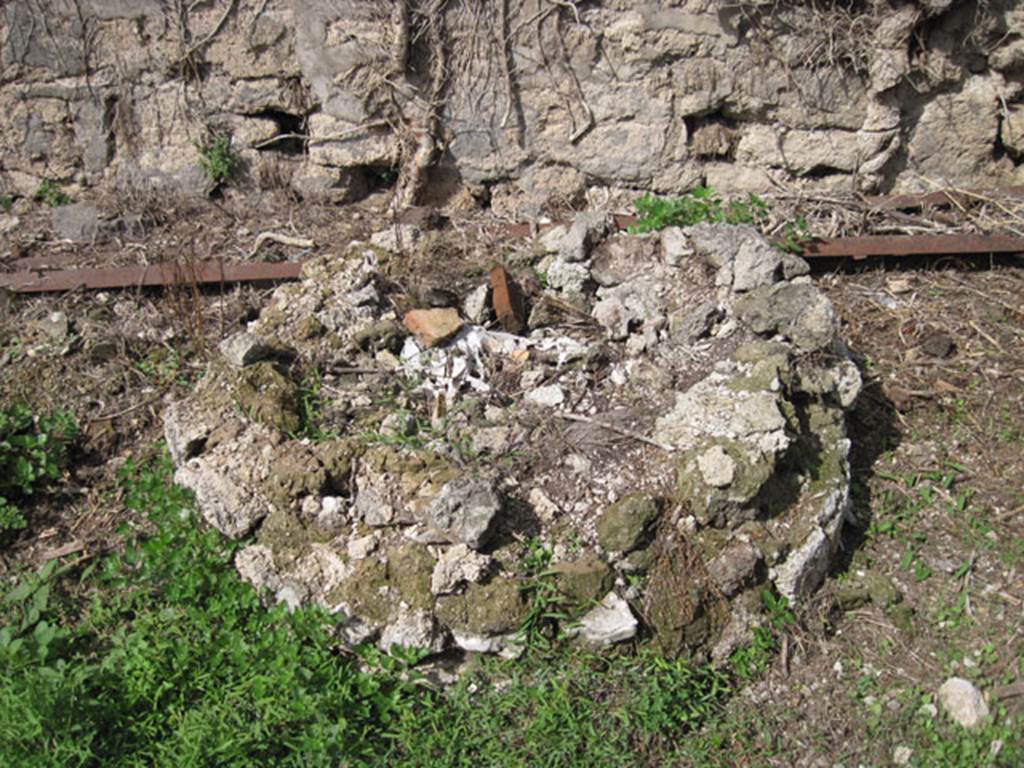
864	247
219	272
165	274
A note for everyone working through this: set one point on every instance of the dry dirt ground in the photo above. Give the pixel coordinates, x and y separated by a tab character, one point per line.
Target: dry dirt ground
932	581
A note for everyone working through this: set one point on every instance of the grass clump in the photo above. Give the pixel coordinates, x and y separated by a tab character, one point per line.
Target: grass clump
160	655
33	453
698	205
51	195
704	204
165	657
218	161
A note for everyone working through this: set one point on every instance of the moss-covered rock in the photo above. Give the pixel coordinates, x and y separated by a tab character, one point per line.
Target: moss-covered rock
378	585
770	373
754	351
294	473
723	498
583	581
625	525
381	335
494	608
338	458
285	535
266	395
679	606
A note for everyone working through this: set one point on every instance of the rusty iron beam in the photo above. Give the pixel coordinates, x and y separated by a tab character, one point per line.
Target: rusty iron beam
941	198
165	274
864	247
507	299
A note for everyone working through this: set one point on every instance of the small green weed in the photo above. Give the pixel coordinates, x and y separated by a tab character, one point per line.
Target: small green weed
795	235
6	203
752	660
33	452
311	410
546	609
703	204
50	194
698	205
165	366
177	662
218	161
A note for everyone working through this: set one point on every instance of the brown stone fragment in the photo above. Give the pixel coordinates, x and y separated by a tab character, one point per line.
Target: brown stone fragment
433	326
508	301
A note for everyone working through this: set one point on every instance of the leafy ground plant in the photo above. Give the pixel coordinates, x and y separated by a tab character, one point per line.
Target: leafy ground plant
33	452
51	195
166	658
160	655
698	205
703	204
218	161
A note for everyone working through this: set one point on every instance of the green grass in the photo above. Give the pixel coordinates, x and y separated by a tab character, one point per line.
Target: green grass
160	655
33	452
51	195
703	204
218	160
163	656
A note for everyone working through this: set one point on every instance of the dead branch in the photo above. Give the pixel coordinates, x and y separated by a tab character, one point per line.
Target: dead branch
617	430
273	237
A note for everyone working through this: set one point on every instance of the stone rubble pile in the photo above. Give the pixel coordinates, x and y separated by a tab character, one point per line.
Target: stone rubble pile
668	425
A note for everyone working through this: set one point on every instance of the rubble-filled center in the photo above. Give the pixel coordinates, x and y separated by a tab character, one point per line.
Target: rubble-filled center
651	427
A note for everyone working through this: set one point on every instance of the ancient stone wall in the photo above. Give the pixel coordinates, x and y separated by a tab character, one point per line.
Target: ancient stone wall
513	99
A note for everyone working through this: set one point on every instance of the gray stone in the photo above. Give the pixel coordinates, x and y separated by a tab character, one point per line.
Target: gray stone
476	305
588	227
610	621
623	258
963	702
466	511
755	264
550	396
611	313
848	383
322	184
456	566
717	467
699	322
185	430
8	223
398	425
953	137
492	440
333	513
373	509
568	278
803	571
735	568
413	629
78	222
224	494
363	547
623	526
675	246
794	266
718	244
396	238
244	348
55	325
797	311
